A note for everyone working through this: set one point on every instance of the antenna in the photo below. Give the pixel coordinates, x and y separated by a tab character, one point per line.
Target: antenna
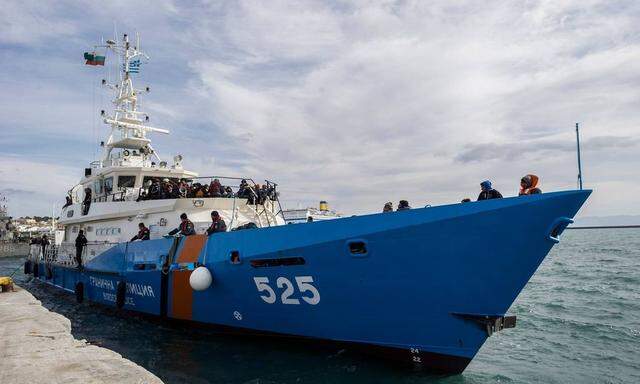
579	162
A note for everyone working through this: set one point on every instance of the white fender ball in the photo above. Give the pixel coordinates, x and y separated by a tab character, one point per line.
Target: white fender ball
200	279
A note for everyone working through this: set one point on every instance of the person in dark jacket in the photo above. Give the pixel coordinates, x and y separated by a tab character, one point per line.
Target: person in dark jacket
81	242
488	192
529	185
388	207
217	224
44	243
403	205
68	202
185	228
143	233
86	203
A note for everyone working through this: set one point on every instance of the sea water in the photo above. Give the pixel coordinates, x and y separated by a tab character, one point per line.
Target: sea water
578	322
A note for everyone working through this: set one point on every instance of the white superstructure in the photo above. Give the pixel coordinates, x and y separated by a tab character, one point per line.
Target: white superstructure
115	194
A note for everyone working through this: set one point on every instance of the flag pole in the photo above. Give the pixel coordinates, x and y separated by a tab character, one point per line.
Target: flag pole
579	162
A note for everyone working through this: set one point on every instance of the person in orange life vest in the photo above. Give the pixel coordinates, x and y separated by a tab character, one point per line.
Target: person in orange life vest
529	185
185	228
217	224
143	233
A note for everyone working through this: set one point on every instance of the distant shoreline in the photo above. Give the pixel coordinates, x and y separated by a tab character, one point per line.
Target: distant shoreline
605	227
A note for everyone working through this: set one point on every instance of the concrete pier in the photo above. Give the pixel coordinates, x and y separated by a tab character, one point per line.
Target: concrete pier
36	346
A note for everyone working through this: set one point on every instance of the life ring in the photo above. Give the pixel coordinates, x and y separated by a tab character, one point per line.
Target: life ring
125	153
36	270
27	267
79	292
121	290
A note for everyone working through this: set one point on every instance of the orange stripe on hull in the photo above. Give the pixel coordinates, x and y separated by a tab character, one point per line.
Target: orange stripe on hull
182	296
192	248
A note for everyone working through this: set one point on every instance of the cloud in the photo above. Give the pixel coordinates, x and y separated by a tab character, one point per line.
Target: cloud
535	149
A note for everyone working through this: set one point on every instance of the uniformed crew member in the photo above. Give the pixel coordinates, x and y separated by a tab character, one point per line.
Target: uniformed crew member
217	224
143	233
81	242
185	228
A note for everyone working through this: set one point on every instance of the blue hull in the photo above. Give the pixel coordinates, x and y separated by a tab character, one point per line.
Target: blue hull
425	286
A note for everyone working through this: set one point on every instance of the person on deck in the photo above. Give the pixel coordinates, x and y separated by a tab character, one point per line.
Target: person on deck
143	233
154	190
86	203
403	205
487	192
185	228
217	224
215	188
44	243
388	207
68	201
529	185
81	242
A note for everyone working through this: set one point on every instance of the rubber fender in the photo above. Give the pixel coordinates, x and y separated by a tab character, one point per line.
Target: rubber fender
79	292
47	272
27	267
121	290
36	270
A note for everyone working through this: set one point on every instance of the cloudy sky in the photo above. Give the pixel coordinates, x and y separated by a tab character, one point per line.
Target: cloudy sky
357	103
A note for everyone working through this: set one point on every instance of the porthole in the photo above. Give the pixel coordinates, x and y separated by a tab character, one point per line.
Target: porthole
234	257
358	248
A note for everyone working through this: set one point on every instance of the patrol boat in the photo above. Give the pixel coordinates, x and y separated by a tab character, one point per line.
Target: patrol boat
423	286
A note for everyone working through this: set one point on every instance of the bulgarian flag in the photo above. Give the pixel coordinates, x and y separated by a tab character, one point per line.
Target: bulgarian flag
93	59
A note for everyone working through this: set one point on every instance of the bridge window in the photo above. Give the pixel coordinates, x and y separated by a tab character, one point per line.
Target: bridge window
108	185
126	181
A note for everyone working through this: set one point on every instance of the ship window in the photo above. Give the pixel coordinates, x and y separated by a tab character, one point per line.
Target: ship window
126	181
108	185
89	229
97	187
234	257
357	247
283	261
74	229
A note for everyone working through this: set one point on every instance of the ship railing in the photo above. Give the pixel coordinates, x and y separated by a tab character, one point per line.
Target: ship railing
113	196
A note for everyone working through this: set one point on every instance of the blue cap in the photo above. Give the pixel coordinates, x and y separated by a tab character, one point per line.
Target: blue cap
485	185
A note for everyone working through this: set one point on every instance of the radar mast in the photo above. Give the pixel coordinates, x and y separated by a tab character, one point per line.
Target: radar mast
129	125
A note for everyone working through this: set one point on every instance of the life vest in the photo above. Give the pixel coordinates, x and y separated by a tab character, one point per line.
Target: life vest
532	185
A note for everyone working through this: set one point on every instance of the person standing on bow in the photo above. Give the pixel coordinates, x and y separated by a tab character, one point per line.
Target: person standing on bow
487	192
81	242
529	185
185	228
143	233
217	224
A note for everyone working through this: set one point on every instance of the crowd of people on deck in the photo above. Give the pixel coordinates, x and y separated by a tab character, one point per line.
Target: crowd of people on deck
156	189
528	186
166	189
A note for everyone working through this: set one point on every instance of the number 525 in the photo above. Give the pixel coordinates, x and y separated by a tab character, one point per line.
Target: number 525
304	285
